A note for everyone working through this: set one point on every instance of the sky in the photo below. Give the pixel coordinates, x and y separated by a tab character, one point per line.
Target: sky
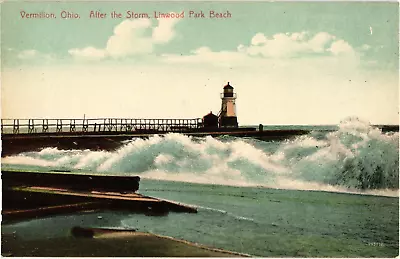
289	62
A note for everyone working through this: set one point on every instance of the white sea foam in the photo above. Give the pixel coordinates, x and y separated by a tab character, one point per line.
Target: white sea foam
227	213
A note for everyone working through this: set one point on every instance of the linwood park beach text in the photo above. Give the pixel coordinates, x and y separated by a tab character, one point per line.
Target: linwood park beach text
130	14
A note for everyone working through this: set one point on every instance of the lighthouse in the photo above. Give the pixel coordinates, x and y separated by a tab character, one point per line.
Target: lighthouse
227	115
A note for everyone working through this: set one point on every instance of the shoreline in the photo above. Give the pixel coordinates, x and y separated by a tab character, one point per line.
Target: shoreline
108	243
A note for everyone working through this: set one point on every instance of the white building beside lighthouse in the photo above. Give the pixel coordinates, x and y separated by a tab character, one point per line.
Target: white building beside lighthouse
227	115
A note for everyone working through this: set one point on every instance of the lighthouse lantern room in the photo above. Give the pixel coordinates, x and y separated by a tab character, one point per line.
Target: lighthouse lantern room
227	115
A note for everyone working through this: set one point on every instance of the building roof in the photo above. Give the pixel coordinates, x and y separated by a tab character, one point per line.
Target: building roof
210	115
228	86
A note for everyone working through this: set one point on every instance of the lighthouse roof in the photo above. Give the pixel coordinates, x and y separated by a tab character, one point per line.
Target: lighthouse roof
228	86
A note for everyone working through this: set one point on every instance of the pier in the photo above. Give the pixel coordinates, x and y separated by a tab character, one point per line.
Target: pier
23	135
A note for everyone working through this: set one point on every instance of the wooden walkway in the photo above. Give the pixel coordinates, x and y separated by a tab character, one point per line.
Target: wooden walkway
31	126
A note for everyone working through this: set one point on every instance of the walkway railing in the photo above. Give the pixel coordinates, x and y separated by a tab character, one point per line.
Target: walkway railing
31	126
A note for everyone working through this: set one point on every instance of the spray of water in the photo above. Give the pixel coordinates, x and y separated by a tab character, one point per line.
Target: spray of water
355	158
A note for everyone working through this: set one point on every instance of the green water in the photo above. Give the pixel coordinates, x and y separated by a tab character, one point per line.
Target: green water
255	221
267	222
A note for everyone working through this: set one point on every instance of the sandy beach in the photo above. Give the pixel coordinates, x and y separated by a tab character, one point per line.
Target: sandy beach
108	244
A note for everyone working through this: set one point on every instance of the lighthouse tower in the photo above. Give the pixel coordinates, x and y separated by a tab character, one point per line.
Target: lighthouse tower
227	115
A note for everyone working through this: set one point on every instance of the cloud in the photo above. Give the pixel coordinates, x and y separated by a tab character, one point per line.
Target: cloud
131	38
90	53
283	45
27	54
258	39
276	49
319	42
164	32
206	55
341	47
33	55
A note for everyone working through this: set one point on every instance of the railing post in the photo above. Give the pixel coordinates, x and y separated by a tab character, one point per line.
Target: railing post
128	125
31	126
16	126
85	126
110	125
59	125
72	125
45	125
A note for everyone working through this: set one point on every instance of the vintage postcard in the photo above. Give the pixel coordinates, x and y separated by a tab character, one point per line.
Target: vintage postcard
200	128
